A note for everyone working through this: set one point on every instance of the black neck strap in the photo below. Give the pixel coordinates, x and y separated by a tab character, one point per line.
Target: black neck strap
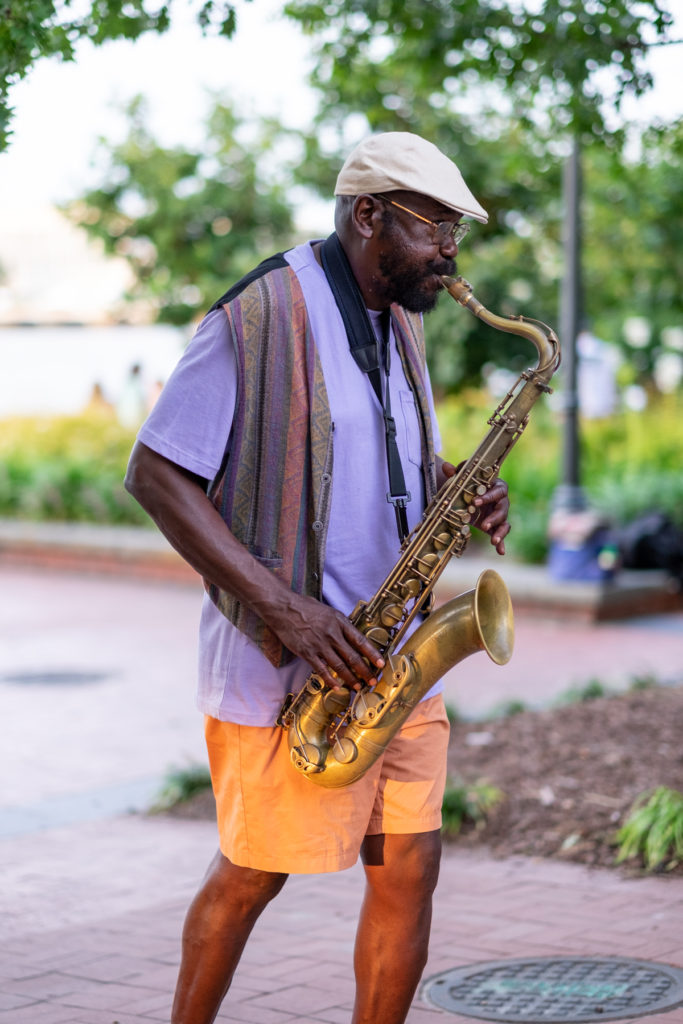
365	350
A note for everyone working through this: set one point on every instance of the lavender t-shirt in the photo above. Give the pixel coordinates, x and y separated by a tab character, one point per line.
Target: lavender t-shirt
190	424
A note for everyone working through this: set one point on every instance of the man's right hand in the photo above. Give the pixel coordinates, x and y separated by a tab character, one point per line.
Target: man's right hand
324	637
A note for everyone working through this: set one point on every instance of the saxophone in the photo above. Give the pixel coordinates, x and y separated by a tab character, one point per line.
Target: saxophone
336	735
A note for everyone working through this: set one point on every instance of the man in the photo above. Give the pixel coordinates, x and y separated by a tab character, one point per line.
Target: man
264	462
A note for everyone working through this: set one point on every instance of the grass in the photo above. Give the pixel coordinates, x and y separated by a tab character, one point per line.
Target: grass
180	785
467	804
592	690
653	830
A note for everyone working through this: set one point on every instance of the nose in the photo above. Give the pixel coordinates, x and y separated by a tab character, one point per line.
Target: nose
448	246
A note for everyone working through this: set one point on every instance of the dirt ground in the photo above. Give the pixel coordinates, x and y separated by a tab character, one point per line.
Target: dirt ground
568	775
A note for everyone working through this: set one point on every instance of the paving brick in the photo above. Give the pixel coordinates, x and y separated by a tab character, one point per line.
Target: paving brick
40	1013
10	1001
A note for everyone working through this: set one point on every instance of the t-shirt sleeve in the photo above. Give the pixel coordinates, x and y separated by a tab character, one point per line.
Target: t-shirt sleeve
191	421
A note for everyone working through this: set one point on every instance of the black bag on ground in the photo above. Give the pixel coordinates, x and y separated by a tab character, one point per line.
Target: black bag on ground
652	541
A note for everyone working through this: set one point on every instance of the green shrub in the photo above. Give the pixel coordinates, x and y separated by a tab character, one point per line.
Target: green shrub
509	708
67	468
181	784
72	467
463	803
653	830
452	713
592	690
625	460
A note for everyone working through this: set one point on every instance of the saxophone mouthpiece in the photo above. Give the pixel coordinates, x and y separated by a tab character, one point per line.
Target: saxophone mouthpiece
458	288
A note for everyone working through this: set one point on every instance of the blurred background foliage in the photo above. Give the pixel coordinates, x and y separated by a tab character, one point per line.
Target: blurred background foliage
31	30
188	223
504	89
66	468
500	88
71	468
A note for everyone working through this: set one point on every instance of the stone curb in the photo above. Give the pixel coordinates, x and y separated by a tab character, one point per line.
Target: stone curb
145	553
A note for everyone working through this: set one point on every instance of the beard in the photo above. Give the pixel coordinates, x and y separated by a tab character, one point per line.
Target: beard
408	284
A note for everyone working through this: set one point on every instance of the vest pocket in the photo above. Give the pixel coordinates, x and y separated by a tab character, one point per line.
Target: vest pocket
271	560
410	425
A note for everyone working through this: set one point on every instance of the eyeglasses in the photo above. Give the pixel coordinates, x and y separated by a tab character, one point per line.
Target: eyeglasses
444	231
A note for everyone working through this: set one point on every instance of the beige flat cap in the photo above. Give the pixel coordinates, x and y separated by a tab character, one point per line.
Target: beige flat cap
401	160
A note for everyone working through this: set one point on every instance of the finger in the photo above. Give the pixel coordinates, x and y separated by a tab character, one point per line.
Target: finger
331	677
490	520
495	494
366	650
345	667
498	538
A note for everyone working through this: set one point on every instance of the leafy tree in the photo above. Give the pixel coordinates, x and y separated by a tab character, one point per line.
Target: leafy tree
410	63
189	223
33	29
634	241
502	88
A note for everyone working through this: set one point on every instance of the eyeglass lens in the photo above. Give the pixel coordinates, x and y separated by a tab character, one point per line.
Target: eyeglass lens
446	230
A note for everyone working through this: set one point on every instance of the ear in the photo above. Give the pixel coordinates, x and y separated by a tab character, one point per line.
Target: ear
366	210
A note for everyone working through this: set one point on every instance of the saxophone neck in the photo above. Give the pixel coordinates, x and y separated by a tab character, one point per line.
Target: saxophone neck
543	337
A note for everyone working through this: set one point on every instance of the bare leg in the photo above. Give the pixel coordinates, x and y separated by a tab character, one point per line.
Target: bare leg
395	921
217	926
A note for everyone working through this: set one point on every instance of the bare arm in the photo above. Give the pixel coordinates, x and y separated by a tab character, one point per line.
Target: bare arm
176	501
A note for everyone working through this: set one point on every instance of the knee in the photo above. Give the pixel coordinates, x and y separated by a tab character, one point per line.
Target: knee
246	889
408	864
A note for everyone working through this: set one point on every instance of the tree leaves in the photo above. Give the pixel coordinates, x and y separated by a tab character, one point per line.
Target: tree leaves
32	29
189	222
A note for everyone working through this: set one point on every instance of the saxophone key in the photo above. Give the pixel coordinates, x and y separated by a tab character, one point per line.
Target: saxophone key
441	540
411	587
391	614
307	758
368	707
379	636
345	750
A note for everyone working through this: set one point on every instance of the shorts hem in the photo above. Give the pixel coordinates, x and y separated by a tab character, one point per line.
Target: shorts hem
401	826
322	865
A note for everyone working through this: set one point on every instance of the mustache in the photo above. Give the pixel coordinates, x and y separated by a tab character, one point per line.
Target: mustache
442	267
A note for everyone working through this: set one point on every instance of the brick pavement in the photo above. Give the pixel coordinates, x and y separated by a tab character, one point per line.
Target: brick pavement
93	938
92	901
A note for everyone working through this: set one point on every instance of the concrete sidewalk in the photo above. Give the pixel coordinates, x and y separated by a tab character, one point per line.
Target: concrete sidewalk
96	682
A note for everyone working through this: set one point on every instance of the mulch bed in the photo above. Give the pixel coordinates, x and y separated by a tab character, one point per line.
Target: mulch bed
570	774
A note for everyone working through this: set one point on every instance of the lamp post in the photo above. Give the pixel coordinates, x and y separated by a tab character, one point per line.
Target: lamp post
569	495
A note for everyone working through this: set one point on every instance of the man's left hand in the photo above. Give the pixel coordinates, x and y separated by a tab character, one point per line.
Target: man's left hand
493	508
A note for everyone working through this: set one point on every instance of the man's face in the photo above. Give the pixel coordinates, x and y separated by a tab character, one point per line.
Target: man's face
410	262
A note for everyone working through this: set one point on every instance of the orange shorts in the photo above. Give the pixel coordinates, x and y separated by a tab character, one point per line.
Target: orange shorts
272	818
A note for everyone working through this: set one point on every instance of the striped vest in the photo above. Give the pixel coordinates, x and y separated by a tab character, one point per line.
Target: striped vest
273	489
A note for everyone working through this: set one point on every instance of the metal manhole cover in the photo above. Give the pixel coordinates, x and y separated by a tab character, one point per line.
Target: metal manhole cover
555	990
68	677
